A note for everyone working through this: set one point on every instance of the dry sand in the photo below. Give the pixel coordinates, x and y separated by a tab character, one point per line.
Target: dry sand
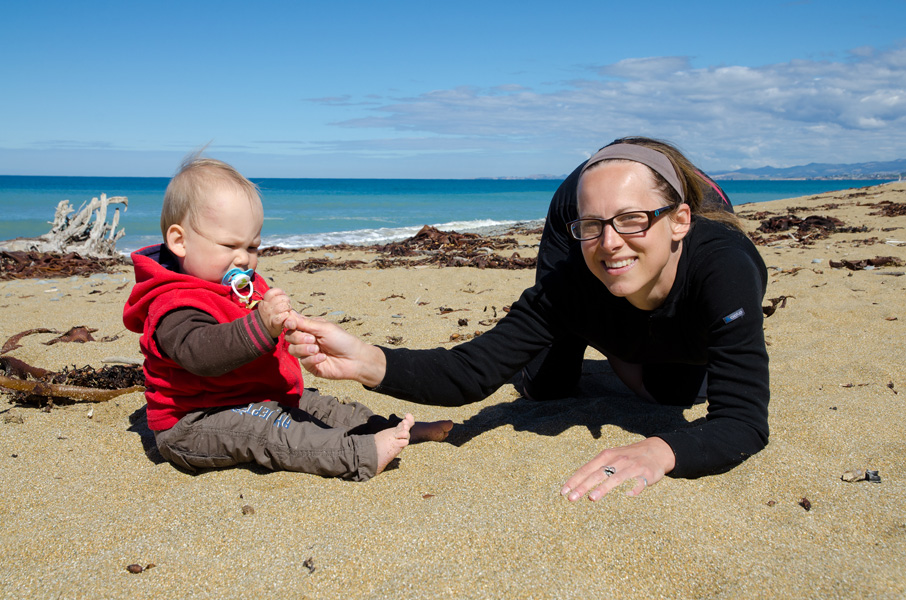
84	493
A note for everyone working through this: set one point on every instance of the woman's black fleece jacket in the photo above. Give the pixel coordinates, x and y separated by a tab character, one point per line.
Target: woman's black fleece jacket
712	317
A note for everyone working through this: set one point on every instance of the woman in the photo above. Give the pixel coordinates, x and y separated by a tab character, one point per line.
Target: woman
666	288
555	372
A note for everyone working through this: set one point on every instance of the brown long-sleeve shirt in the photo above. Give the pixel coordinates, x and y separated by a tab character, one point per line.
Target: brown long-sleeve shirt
201	345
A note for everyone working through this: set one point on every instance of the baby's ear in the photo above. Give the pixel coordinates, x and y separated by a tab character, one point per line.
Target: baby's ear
176	240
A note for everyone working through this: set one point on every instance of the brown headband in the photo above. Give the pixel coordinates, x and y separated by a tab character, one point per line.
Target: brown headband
653	159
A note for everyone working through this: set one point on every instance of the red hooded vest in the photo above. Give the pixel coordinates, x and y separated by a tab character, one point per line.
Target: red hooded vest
170	390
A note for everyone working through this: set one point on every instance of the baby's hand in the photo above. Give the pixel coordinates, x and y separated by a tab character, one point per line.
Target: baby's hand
274	308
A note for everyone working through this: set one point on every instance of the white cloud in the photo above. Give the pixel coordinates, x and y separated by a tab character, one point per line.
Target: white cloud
727	116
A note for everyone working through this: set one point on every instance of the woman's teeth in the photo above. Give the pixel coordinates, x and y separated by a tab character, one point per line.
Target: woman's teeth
619	264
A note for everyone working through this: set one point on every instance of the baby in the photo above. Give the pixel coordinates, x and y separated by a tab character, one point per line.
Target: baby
221	387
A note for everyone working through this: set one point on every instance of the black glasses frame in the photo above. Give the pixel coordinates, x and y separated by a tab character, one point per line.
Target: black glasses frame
573	226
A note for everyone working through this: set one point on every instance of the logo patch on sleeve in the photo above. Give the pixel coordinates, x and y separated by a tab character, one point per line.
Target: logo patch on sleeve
734	315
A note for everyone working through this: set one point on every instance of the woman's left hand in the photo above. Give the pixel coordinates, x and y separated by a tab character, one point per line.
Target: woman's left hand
647	462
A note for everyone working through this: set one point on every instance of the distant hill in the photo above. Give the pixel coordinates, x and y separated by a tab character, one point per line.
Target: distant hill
869	170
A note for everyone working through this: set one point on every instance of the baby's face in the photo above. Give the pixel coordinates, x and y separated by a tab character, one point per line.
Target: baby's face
226	234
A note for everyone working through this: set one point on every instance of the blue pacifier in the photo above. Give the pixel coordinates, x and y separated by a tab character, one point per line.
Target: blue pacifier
238	279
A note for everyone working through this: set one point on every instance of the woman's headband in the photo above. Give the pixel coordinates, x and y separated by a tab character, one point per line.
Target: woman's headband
640	154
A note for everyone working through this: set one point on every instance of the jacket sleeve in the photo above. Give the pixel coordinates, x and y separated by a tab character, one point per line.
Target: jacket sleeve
475	369
736	426
204	347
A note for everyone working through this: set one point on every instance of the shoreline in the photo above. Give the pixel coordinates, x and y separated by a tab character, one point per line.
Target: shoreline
479	516
317	223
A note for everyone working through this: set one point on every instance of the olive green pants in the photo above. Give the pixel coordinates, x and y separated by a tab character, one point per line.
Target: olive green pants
323	436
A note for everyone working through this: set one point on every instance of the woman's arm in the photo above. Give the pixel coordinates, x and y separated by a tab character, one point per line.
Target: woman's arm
730	293
328	351
446	377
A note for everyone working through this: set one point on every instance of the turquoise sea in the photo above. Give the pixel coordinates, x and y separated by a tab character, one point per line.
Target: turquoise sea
316	212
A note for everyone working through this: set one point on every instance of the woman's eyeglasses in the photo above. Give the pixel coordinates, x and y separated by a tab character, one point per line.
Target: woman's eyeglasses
635	221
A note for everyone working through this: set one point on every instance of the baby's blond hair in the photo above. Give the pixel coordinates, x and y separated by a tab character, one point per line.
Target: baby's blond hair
191	185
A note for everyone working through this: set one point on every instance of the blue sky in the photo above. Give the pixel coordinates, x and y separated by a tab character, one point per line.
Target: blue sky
463	89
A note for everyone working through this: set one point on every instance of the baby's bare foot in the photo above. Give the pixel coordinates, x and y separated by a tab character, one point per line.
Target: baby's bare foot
435	431
391	442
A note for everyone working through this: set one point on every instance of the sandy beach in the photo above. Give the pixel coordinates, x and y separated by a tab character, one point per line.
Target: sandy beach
85	493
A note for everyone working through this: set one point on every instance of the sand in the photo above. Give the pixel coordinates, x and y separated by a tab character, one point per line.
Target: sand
84	492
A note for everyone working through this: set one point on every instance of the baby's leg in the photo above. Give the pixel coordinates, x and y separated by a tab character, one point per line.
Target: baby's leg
435	431
332	412
273	437
391	442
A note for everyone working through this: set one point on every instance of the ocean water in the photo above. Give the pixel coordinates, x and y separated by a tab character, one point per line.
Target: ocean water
316	212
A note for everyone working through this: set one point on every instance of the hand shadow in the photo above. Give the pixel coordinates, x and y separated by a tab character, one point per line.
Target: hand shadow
601	399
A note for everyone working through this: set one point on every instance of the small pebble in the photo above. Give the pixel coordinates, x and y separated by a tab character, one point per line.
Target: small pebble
854	475
248	510
133	568
309	564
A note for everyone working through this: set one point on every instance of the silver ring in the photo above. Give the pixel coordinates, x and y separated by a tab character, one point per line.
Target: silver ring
645	481
609	471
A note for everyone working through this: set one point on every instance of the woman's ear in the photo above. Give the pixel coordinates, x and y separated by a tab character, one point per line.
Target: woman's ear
176	240
680	221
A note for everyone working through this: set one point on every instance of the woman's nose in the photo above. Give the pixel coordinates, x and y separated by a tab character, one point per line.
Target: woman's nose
610	239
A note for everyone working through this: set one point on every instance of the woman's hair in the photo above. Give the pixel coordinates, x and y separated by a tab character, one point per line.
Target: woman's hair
193	183
694	185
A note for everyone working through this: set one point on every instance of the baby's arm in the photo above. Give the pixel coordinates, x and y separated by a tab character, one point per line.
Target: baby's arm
198	343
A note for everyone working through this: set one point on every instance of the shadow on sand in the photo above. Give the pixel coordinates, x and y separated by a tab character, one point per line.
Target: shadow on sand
601	399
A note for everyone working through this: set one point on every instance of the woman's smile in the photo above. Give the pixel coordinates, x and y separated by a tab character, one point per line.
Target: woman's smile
615	267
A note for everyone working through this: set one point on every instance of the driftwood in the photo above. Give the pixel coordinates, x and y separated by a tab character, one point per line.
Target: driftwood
34	384
73	392
86	233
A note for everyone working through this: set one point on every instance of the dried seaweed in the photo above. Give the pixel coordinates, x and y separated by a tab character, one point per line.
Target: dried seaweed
886	208
865	263
79	334
33	385
45	265
313	265
779	302
805	231
21	369
13	342
756	216
428	247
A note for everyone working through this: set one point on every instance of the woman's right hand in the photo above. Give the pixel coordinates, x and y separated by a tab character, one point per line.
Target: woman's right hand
326	350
